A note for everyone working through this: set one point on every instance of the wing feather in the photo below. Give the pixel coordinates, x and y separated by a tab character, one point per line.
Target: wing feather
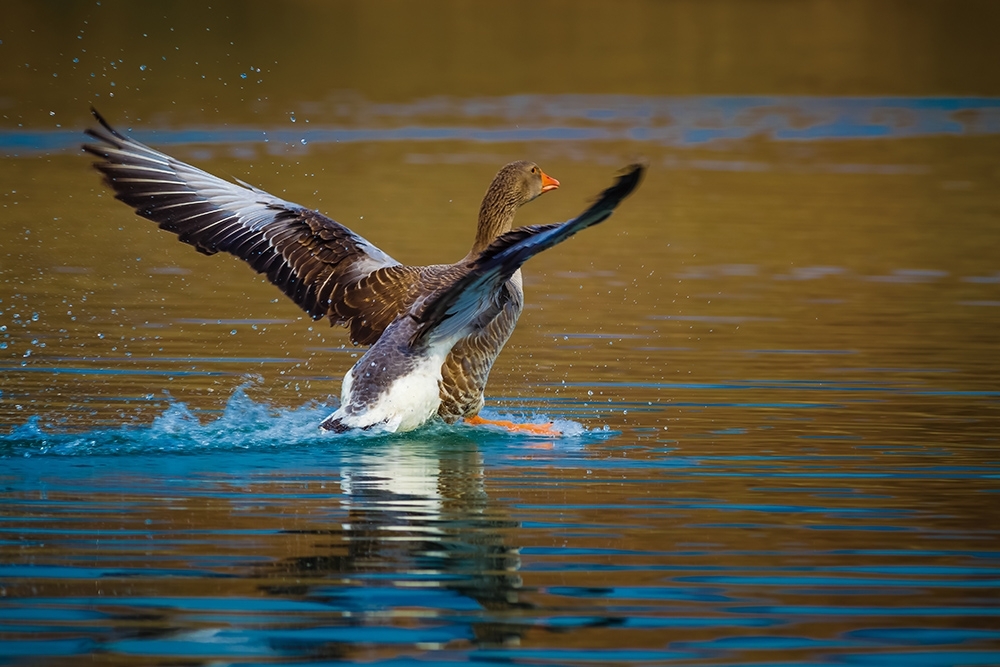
315	261
457	304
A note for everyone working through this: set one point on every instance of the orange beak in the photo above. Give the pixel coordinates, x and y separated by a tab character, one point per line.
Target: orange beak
548	183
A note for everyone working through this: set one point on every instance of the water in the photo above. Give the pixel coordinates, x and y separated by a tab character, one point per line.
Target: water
252	537
776	366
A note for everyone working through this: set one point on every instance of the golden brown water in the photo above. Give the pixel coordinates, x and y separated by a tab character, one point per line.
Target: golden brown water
790	332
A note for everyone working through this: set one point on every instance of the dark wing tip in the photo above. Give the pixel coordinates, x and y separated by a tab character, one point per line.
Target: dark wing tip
628	180
105	124
626	183
107	137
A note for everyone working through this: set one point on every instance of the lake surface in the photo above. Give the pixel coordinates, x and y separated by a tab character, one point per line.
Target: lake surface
777	366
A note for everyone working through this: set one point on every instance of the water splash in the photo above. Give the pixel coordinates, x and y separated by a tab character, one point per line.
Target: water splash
567	428
245	424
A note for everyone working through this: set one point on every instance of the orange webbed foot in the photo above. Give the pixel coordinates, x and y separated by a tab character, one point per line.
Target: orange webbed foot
535	429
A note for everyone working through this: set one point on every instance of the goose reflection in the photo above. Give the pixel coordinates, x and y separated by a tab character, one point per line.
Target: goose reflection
420	554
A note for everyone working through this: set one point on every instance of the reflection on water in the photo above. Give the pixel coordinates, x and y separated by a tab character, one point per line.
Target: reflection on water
277	543
778	364
419	532
296	550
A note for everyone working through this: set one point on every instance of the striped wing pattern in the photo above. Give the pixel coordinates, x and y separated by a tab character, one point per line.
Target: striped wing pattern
324	267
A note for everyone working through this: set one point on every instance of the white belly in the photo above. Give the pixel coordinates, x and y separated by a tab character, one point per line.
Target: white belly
409	401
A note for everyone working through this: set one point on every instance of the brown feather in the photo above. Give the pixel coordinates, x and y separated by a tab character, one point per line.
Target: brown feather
323	266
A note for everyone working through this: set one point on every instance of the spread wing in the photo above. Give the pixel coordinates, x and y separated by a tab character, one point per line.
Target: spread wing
454	306
323	266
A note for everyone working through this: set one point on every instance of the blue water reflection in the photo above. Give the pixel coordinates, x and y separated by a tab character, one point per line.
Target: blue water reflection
667	121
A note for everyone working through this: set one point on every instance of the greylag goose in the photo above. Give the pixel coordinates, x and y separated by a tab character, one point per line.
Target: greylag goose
394	386
324	267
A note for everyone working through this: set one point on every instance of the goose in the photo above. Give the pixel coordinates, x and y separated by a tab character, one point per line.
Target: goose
394	386
324	267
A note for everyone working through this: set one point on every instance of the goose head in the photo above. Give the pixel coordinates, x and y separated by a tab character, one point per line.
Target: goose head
514	186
